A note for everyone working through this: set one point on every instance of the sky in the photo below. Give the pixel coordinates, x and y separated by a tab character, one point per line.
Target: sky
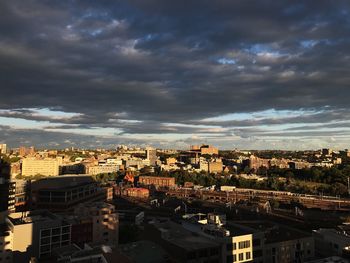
236	74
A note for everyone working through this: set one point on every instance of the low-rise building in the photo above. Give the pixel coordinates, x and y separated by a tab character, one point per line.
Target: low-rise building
157	181
62	193
136	192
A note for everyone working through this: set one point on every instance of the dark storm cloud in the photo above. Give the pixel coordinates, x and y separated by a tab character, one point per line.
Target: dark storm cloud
173	61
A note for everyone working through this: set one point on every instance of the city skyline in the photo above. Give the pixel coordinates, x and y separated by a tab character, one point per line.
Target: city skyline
234	74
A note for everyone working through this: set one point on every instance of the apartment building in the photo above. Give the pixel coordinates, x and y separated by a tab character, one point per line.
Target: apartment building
46	166
104	219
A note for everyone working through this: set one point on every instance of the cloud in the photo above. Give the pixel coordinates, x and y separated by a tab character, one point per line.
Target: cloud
160	62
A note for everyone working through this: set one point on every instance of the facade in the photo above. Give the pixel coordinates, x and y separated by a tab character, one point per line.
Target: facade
21	193
62	193
105	221
215	167
255	162
47	166
23	151
7	191
151	156
208	149
101	169
36	234
157	181
136	192
6	253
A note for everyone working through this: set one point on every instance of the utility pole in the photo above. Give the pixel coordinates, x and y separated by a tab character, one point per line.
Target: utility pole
348	185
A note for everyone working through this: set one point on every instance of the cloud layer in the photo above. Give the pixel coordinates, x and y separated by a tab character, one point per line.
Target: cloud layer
234	73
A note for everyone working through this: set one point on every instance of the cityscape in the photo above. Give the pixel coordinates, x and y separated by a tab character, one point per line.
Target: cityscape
162	131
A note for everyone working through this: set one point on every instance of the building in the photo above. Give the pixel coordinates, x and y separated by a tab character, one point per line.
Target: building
330	242
75	254
104	221
215	166
3	148
47	166
255	162
6	253
208	149
274	243
170	161
151	155
23	151
142	193
7	191
21	194
236	243
182	244
157	181
101	169
36	234
63	193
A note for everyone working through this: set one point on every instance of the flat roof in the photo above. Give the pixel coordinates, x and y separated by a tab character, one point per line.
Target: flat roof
274	232
184	238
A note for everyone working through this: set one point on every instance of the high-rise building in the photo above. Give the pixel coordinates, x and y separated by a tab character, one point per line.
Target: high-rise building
151	155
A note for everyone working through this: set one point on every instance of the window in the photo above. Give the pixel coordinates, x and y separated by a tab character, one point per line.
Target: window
244	244
247	255
240	256
105	233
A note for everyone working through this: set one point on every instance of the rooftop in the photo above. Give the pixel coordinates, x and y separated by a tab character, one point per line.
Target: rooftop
179	236
144	251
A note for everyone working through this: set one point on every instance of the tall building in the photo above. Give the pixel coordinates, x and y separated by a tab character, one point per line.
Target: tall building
47	166
7	191
3	148
151	155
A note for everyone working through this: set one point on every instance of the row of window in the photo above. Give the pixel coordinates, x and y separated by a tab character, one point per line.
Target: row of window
241	245
239	257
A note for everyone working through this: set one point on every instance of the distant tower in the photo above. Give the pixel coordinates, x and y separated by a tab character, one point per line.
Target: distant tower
151	155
